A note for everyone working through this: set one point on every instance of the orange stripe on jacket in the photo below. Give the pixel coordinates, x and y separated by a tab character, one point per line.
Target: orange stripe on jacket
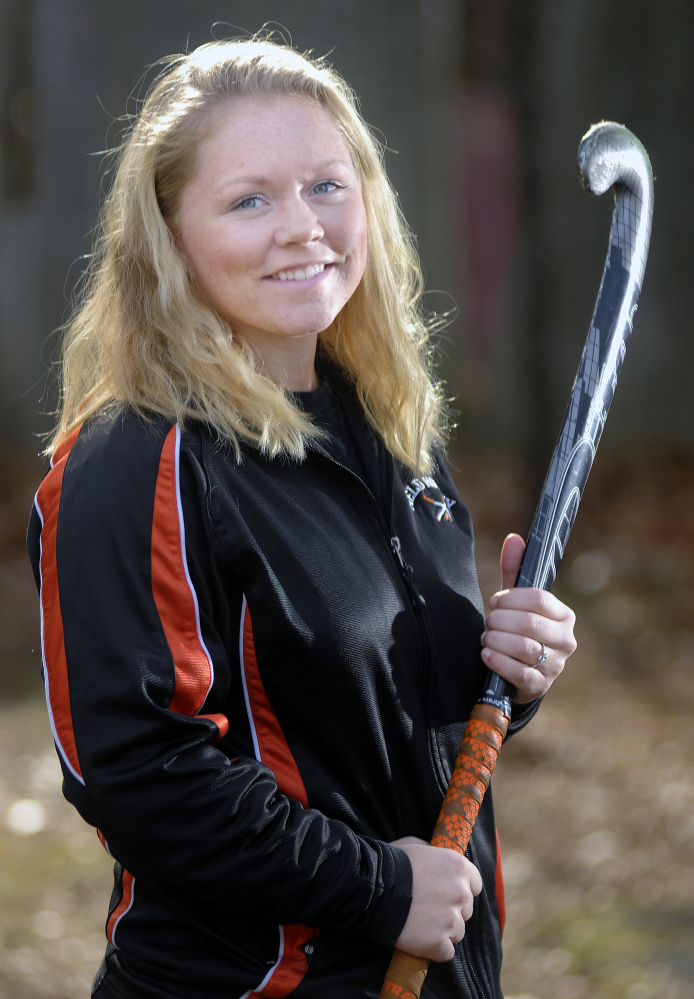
272	743
52	634
128	885
173	591
292	966
275	753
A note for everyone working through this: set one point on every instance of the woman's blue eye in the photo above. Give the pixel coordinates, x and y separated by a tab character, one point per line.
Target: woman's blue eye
252	201
325	186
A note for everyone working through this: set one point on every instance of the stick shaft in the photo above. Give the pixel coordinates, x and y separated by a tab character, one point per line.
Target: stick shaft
609	156
484	733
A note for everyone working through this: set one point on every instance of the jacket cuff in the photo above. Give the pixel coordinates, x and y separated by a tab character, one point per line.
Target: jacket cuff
388	911
521	715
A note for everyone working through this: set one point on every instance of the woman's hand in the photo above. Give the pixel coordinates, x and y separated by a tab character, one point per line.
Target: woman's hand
443	891
529	633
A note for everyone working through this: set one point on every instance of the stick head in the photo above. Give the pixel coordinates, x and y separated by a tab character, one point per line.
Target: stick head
609	155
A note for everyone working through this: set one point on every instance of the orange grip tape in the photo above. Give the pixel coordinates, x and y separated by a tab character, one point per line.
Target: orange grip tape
479	750
405	976
477	757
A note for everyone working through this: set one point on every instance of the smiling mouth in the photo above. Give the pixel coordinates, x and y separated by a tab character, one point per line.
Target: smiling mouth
301	274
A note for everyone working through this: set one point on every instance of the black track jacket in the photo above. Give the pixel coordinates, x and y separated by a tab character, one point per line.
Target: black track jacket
258	674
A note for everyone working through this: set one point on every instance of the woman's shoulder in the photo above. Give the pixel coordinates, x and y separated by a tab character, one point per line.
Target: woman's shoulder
143	447
112	448
105	451
118	466
124	431
124	437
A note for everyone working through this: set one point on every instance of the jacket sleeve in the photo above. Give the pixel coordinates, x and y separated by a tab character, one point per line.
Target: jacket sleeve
138	681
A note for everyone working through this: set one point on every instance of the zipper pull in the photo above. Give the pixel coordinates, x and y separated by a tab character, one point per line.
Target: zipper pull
408	572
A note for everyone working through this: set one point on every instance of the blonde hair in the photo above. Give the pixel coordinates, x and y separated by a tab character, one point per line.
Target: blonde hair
141	334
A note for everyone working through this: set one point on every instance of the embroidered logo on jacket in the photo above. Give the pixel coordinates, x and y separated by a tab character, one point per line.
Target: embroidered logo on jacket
420	487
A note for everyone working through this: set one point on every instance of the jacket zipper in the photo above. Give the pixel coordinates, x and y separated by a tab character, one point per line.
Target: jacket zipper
473	974
406	570
419	604
408	573
467	949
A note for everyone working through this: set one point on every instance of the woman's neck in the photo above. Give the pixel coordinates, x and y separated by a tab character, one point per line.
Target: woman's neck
290	360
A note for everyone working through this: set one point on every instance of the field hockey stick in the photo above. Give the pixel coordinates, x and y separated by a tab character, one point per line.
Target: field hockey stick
609	156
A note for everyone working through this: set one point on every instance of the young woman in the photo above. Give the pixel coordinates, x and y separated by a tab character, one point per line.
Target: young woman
260	612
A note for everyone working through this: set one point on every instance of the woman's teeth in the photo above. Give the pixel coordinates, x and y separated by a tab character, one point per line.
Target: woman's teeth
300	275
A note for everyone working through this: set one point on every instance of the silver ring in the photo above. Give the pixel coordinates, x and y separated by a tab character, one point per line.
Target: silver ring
543	657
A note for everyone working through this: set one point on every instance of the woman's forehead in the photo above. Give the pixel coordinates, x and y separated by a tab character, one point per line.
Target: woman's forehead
264	111
255	129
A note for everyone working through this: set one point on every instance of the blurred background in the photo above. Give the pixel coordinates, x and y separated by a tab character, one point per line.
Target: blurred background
481	104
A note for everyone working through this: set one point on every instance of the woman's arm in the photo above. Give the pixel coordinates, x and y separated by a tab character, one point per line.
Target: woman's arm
141	685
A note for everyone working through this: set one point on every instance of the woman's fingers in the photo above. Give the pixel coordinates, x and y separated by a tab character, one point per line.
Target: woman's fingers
541	656
528	681
511	558
444	886
528	638
532	600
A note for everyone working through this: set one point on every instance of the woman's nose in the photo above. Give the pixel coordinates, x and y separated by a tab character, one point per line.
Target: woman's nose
298	223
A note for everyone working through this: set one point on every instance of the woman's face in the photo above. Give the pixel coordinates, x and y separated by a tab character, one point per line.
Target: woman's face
273	224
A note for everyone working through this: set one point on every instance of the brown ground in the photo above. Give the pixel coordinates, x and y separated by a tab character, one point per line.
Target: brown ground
595	800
